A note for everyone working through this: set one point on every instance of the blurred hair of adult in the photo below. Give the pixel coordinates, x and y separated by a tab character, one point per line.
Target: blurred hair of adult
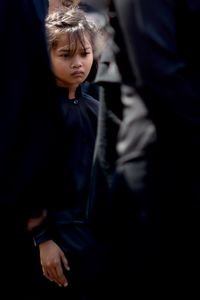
59	4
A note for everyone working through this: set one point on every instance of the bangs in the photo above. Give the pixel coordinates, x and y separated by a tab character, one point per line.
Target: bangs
72	24
74	38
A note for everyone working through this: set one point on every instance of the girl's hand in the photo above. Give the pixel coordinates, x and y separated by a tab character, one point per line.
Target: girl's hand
52	260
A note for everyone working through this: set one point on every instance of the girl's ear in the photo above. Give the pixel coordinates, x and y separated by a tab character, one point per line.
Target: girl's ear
93	71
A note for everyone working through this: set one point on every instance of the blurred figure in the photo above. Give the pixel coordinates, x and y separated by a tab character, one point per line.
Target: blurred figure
154	181
28	137
36	220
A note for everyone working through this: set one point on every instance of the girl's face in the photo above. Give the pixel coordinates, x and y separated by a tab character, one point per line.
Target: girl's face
71	67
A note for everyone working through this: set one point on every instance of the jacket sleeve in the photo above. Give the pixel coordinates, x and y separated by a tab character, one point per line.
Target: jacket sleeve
40	234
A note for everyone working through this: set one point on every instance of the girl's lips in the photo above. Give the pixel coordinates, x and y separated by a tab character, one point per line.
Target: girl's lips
77	73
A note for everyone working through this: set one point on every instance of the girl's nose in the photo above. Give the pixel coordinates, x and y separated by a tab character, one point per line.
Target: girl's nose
76	63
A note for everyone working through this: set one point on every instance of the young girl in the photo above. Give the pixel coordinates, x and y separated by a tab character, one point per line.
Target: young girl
71	40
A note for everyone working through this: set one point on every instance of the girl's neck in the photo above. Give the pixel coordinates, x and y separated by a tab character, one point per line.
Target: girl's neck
72	92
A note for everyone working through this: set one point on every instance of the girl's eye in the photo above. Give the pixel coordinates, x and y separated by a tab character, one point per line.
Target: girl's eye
85	53
64	55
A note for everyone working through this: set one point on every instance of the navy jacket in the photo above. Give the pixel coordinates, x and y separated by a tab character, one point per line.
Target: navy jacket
76	147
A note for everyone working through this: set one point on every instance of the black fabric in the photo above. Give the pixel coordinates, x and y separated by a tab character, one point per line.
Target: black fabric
160	39
28	130
66	222
154	188
88	255
28	137
79	123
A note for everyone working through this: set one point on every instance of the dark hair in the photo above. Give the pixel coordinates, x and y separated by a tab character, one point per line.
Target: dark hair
72	22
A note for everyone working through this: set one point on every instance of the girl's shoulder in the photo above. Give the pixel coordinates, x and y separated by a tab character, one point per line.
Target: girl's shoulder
91	103
91	88
90	99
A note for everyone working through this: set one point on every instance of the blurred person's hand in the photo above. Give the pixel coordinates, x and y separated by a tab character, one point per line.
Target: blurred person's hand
36	220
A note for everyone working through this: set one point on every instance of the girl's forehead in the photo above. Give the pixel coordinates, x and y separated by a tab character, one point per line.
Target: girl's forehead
72	39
